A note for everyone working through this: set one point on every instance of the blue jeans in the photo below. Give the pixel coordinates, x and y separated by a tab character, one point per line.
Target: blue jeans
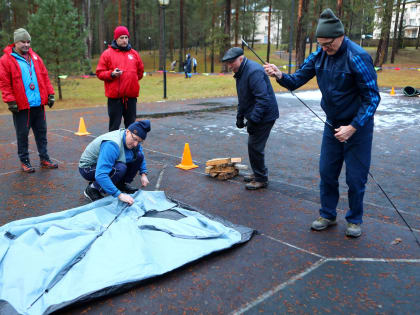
121	173
356	153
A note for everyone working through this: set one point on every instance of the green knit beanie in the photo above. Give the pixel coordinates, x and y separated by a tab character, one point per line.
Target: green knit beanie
329	26
21	35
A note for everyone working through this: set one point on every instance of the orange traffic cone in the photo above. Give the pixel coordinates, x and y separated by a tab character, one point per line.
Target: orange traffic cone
82	128
186	163
392	91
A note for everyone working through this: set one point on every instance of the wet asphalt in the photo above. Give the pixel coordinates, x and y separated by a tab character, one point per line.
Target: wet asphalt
286	267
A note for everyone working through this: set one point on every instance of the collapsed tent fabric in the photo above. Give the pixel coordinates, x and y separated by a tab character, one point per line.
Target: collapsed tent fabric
52	261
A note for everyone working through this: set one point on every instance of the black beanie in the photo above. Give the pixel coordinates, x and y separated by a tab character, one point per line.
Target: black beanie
140	128
329	26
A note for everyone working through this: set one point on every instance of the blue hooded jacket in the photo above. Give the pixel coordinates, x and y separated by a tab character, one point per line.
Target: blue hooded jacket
347	81
257	101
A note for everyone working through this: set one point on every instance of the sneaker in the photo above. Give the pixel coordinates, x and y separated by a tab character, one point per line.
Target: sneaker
353	230
322	223
249	178
92	193
127	188
47	163
26	166
253	185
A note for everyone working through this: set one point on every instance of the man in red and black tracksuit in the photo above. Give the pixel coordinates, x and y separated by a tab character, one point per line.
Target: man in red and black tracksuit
26	89
121	68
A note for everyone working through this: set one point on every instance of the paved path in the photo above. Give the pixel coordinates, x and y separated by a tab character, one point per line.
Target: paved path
286	267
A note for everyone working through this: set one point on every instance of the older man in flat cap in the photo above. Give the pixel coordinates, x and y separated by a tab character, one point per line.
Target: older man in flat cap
350	96
26	89
258	105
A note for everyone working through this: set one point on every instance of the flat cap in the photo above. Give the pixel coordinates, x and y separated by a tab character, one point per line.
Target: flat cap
232	53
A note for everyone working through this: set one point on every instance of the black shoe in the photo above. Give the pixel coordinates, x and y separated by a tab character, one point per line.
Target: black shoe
92	193
127	188
253	185
26	166
249	178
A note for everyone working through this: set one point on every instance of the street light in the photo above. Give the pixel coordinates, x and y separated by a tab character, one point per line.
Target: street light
163	4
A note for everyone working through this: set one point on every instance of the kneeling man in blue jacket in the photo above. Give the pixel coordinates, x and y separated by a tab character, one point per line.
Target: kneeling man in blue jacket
257	103
111	161
350	96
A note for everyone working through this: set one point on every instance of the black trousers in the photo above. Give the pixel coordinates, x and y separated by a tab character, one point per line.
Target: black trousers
26	119
258	136
121	107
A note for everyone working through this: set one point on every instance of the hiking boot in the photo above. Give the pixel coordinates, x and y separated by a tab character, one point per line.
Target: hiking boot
47	163
249	178
92	193
127	188
253	185
322	223
26	166
353	230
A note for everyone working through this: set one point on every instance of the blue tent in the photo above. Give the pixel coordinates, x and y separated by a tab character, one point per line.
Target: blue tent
52	261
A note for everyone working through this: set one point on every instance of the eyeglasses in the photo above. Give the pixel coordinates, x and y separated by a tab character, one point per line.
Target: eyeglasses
137	138
327	44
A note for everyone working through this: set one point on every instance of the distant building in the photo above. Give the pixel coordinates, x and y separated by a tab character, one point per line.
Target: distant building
411	20
261	33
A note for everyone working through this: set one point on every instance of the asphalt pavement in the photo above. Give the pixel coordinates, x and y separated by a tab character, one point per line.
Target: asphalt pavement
286	267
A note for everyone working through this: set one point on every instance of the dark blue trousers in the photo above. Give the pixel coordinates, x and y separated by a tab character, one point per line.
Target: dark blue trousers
121	173
258	136
26	119
356	153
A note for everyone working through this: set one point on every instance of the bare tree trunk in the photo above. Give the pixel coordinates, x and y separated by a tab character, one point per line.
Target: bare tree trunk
395	39
350	24
226	44
87	29
213	21
119	12
181	35
381	52
301	32
314	20
269	31
400	29
254	21
236	22
161	38
339	9
418	38
278	29
101	31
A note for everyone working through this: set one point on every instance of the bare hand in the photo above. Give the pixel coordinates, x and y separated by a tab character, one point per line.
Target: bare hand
343	133
273	71
116	73
144	180
126	198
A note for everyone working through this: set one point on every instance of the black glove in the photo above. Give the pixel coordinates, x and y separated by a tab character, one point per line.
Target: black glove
51	100
240	123
13	107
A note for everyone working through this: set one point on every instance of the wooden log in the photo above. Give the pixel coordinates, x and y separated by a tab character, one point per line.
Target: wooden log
218	161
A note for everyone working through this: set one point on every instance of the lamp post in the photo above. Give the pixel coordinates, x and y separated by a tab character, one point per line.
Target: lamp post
163	4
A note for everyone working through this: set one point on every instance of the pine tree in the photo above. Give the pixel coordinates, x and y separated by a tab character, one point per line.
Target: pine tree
56	37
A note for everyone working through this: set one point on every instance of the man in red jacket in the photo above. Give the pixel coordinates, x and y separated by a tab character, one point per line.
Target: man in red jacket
121	68
26	89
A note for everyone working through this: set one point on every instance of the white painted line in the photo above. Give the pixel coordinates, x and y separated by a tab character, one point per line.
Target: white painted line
71	131
293	246
276	289
385	260
9	172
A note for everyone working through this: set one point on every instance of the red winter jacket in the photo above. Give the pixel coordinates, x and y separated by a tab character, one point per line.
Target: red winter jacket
11	84
130	63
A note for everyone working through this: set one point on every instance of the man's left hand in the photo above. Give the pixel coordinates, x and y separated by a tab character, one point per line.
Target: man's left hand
51	100
144	180
344	133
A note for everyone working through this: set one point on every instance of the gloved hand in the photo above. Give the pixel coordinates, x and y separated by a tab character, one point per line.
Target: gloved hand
13	107
51	100
240	123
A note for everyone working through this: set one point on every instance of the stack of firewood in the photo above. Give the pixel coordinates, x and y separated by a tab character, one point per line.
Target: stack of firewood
224	168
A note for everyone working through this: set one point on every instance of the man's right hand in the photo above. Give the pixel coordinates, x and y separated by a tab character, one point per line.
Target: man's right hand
116	73
126	198
13	107
240	123
273	71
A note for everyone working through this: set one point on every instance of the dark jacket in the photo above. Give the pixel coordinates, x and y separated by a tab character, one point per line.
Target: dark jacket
129	61
257	101
187	64
347	81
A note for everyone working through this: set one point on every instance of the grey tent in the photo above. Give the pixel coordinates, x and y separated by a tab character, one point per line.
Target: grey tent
52	261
